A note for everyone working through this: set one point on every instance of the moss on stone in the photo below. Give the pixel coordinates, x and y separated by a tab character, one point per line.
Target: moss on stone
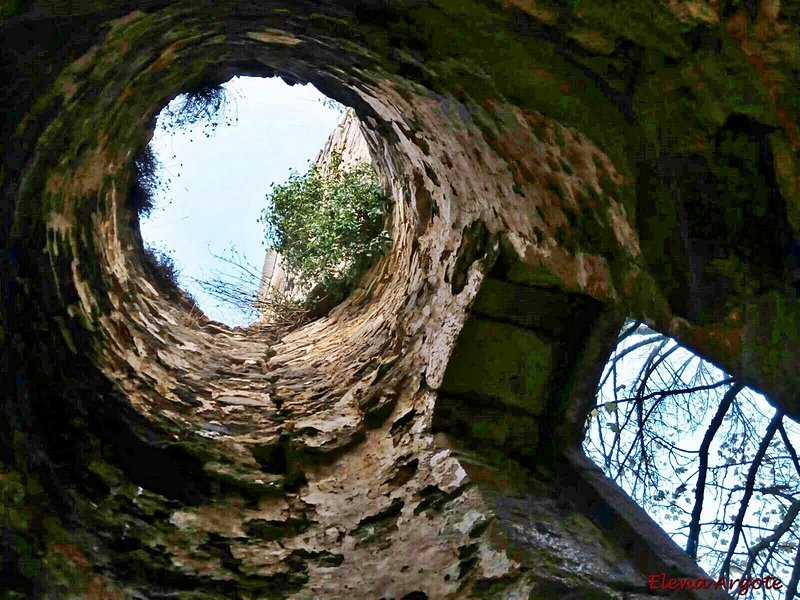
146	503
512	71
558	191
787	165
771	342
591	228
500	361
276	530
647	24
592	39
538	275
495	299
584	529
244	479
110	474
515	433
43	549
566	167
492	470
67	335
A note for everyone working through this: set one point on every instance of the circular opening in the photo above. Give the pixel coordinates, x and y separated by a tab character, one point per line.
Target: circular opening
205	177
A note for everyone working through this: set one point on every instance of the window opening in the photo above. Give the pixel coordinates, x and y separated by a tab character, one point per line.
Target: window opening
706	457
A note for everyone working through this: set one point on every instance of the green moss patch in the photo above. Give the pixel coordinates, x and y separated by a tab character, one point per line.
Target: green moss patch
499	361
254	484
772	344
276	530
41	547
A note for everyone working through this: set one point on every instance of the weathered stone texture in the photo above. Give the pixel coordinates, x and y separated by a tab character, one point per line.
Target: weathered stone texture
554	168
346	140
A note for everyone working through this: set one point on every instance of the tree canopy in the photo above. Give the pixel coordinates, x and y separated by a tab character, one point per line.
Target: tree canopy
329	227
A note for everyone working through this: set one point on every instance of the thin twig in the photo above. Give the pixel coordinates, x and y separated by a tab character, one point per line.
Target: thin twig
789	447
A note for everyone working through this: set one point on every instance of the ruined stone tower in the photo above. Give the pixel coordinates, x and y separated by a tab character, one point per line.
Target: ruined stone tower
555	166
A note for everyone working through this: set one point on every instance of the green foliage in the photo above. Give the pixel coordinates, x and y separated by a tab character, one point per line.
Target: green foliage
146	182
333	105
329	228
163	270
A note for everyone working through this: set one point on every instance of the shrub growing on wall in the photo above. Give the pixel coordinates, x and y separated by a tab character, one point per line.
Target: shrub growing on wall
328	228
146	182
162	267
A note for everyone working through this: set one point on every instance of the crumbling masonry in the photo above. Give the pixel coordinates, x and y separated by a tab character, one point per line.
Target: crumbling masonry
555	167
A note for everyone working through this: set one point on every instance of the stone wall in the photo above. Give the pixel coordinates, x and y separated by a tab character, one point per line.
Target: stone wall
554	168
346	140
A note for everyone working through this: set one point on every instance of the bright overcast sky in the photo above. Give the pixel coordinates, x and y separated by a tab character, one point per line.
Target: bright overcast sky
219	184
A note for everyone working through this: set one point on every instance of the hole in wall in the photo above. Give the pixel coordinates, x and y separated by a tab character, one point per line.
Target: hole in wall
204	177
709	459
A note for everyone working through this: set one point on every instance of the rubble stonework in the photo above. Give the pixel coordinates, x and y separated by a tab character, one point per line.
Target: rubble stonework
554	168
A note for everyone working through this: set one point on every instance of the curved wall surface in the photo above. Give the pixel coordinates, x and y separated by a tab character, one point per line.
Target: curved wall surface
554	168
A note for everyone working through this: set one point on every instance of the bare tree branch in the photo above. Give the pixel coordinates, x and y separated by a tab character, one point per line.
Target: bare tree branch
791	587
782	528
679	392
623	353
790	448
646	367
640	431
711	431
666	400
240	291
748	491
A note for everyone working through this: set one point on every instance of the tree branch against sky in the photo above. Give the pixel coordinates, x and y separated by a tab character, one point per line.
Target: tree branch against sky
711	431
706	456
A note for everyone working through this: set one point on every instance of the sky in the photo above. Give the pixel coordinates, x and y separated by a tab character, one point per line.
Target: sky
219	184
757	411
